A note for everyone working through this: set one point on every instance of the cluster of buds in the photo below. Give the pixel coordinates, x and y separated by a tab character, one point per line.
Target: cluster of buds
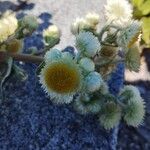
64	75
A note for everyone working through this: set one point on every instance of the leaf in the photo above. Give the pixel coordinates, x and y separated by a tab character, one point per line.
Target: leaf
137	3
5	70
39	68
145	7
146	29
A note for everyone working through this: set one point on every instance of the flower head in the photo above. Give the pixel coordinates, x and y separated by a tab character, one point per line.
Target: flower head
132	58
8	25
118	11
93	81
52	31
52	55
78	25
87	64
30	22
84	105
134	111
61	80
110	115
129	35
87	44
92	19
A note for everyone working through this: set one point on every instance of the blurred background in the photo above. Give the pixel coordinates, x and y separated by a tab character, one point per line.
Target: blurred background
62	13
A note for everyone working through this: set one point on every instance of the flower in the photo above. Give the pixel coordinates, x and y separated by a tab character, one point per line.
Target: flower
14	46
92	19
110	115
87	44
52	31
132	58
84	105
61	79
134	111
118	11
52	55
51	35
78	25
30	23
93	81
8	25
87	64
129	35
129	91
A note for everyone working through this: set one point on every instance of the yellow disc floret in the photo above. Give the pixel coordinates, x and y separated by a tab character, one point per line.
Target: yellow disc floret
61	79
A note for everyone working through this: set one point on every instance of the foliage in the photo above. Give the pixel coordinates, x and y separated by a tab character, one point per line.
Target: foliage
142	12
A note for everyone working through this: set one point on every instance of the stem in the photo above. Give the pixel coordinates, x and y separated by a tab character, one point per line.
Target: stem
23	57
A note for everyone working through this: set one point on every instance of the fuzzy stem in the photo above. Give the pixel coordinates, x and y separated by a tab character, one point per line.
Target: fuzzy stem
23	57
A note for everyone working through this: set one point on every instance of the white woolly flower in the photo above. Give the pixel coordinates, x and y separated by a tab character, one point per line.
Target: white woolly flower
61	79
92	19
93	81
129	35
8	25
52	31
78	25
87	44
52	55
87	64
118	11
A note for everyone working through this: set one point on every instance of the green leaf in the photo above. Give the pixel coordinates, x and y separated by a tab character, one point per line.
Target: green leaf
146	29
145	7
5	70
137	3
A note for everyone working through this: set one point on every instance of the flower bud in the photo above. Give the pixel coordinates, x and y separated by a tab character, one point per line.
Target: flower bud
51	35
93	82
52	55
110	115
92	19
87	64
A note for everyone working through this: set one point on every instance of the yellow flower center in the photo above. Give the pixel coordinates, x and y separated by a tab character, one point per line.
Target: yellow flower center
62	78
133	40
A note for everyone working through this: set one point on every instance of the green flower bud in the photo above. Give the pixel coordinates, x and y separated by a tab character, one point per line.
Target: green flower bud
87	64
93	82
134	111
52	55
51	35
87	44
132	58
110	115
84	105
